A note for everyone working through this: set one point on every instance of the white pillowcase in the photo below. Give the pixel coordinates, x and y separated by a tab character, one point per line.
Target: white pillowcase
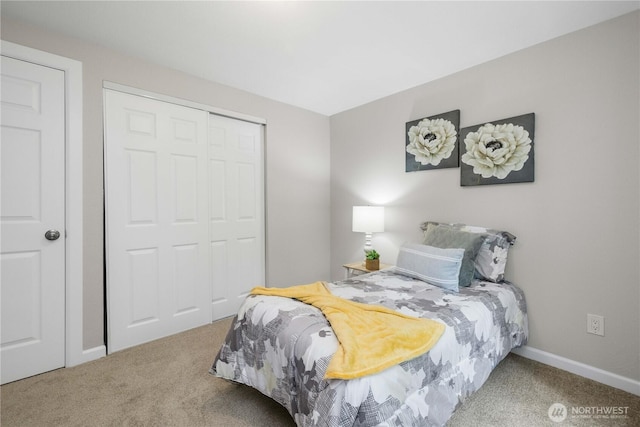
436	266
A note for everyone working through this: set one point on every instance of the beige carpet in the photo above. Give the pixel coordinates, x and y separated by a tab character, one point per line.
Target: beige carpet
166	383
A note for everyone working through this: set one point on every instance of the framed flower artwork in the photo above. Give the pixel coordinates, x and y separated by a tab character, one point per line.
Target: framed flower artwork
432	142
499	152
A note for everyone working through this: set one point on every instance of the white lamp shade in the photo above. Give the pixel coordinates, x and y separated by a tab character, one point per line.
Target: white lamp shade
368	219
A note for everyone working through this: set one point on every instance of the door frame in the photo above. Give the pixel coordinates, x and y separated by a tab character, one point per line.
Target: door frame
74	351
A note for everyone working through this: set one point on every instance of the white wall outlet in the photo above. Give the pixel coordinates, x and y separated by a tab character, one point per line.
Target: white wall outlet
595	324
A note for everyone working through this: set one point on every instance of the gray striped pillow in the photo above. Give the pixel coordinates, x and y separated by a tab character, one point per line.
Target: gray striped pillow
436	266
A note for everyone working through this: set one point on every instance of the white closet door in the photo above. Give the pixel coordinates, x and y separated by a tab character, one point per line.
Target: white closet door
236	185
156	220
32	282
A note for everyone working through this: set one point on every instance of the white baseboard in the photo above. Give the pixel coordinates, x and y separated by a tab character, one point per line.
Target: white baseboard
89	355
609	378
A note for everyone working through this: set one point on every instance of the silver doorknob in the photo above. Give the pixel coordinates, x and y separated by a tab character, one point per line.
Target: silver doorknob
52	235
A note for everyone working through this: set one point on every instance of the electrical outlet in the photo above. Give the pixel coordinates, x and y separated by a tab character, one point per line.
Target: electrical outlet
595	324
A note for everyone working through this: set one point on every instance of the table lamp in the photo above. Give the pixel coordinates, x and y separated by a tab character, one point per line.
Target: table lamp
368	220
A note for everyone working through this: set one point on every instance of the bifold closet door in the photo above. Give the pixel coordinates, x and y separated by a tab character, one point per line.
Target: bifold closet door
156	219
237	230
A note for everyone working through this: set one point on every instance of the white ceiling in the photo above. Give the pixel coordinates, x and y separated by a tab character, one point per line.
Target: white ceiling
322	56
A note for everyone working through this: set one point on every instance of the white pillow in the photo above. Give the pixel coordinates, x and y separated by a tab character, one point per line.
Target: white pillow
436	266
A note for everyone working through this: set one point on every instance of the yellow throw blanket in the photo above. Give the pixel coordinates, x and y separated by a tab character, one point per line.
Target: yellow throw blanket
371	338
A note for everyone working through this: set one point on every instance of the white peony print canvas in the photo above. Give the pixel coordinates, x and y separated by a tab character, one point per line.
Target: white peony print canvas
498	152
432	142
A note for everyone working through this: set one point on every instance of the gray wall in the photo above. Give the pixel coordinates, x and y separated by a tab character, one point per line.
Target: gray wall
577	224
297	163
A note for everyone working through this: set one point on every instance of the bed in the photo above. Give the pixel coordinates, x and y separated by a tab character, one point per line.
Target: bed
282	347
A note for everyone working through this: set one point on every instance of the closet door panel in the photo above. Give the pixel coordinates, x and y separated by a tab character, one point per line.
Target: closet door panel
156	218
237	230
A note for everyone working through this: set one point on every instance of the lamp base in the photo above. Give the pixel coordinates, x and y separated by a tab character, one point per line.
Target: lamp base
367	243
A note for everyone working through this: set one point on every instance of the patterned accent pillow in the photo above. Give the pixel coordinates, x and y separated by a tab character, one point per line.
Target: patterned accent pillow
436	266
491	259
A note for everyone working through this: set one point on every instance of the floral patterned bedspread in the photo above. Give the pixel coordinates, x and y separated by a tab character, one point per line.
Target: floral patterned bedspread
282	347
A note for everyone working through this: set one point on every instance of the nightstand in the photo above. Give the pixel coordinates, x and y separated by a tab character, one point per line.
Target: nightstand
357	268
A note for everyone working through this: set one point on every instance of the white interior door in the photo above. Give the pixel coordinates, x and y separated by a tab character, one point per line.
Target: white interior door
157	219
32	152
236	185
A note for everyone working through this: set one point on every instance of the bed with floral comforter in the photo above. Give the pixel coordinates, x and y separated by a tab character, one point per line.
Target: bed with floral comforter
282	347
